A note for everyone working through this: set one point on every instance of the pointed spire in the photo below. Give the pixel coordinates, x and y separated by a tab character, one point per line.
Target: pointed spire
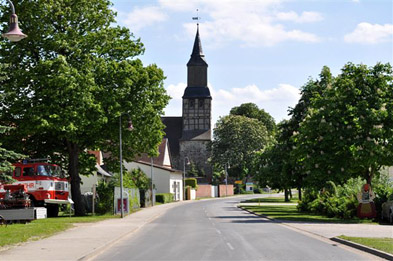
197	50
197	56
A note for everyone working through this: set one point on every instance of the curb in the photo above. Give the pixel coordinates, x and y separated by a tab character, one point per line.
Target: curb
364	248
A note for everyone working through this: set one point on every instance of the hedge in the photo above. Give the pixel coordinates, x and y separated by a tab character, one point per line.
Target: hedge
191	182
164	197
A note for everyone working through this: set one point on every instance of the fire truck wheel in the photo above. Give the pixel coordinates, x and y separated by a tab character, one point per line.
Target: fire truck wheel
53	210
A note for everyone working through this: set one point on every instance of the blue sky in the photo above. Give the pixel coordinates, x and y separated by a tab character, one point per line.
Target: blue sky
259	51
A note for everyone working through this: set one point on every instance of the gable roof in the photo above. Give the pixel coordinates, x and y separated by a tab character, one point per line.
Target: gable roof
173	132
163	158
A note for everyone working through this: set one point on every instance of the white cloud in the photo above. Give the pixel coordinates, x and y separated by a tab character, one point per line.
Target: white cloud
367	33
251	23
143	17
275	101
305	17
174	108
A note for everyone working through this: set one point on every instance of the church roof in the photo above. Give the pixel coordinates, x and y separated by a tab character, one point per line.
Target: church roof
197	92
197	56
173	132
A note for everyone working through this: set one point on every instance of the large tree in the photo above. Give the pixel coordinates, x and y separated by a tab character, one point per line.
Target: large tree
252	111
69	82
348	128
236	139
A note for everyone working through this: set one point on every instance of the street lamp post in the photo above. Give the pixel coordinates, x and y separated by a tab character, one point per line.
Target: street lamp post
151	180
130	127
14	33
184	174
226	179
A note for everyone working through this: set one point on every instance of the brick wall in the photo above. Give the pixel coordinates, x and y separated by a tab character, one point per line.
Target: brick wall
222	190
204	191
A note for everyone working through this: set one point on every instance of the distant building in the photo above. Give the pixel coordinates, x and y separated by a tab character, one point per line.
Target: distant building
189	135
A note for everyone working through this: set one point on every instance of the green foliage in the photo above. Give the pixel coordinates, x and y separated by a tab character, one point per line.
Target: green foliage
258	190
236	140
341	128
105	192
383	189
139	179
338	201
70	81
134	179
191	182
252	111
164	198
347	130
195	171
7	157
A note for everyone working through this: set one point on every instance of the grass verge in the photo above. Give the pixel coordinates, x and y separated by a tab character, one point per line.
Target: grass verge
271	200
290	212
383	244
41	228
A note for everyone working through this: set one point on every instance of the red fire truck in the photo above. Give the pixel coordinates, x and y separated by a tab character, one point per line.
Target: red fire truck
45	184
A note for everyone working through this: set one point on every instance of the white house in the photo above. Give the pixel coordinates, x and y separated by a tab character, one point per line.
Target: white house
100	174
165	178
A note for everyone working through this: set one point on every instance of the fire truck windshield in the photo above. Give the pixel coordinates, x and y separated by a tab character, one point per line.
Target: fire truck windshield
48	170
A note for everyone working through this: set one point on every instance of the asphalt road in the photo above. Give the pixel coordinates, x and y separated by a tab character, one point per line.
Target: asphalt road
218	230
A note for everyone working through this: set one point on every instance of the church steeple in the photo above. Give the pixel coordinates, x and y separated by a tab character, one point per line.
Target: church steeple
197	72
197	98
197	56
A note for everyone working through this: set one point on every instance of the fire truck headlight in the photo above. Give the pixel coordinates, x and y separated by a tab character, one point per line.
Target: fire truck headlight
47	195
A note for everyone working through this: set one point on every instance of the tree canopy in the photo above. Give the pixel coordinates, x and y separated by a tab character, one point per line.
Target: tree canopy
236	139
69	82
252	111
348	131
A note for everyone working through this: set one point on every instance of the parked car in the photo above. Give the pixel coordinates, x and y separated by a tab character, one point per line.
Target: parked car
387	211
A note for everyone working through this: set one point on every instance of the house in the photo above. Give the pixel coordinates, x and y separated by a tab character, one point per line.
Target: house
88	182
165	178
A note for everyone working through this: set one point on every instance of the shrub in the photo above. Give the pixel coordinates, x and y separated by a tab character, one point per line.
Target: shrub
164	197
333	201
257	190
383	189
105	197
191	182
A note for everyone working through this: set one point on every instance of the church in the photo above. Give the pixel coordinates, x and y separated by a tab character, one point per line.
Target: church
189	135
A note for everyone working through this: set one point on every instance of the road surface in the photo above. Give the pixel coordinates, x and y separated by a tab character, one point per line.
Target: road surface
218	230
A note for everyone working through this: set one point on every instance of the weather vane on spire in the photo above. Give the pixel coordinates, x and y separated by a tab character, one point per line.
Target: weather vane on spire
197	18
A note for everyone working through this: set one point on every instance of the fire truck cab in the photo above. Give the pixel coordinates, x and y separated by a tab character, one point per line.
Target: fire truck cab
45	183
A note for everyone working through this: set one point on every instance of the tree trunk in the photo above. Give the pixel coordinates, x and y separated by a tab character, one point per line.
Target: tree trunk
369	176
73	169
286	195
299	189
290	193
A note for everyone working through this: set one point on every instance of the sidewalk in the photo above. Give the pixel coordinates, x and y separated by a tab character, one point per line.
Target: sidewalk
86	240
330	230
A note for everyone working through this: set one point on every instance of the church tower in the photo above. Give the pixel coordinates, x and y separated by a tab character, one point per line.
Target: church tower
196	130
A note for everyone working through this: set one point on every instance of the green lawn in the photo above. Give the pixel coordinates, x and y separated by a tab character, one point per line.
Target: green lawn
290	212
384	244
41	228
271	200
